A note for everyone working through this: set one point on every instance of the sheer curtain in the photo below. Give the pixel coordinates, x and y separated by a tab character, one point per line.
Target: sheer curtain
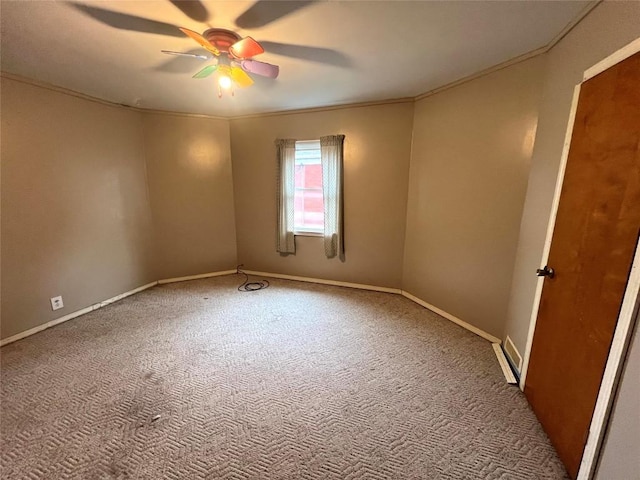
286	152
331	154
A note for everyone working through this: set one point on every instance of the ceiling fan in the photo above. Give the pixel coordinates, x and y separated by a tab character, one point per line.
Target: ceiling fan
235	58
234	54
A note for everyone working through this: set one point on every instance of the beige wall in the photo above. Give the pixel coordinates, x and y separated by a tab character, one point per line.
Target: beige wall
607	28
84	216
469	165
191	190
377	147
76	220
610	26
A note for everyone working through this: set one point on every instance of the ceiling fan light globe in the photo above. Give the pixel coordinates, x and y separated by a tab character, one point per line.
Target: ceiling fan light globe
224	82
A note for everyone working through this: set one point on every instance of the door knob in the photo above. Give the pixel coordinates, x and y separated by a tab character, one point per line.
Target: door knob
546	272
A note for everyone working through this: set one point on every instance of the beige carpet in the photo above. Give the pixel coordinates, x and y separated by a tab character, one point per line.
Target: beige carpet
300	381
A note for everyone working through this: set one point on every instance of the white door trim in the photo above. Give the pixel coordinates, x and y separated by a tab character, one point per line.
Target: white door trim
613	59
612	371
550	228
631	296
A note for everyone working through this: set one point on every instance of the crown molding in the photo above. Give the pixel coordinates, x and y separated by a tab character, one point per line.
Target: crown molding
521	58
62	90
482	73
89	98
326	108
573	23
151	111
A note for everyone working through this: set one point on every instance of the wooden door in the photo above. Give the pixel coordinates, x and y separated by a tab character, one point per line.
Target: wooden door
594	239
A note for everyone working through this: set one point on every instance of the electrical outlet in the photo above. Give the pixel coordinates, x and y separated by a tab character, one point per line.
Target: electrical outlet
56	303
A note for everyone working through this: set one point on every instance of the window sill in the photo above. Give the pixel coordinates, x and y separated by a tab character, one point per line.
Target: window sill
308	234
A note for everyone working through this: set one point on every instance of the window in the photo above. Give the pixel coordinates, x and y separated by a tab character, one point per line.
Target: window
309	193
308	198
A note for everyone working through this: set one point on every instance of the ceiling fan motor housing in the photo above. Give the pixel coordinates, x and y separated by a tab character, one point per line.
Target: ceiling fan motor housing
221	38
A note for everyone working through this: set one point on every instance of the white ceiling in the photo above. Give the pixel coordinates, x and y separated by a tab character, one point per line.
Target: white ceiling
361	50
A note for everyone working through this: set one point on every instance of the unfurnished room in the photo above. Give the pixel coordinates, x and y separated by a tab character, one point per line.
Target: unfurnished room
320	239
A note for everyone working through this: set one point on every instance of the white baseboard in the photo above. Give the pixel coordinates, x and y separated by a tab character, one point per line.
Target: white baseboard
196	277
336	283
104	303
456	320
77	313
398	291
504	364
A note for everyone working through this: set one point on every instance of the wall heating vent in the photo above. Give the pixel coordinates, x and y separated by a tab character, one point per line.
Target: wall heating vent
513	355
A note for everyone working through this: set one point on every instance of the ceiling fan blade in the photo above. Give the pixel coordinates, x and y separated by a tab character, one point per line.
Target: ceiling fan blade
183	54
206	71
246	48
240	77
264	12
260	68
204	43
193	9
182	64
311	54
124	21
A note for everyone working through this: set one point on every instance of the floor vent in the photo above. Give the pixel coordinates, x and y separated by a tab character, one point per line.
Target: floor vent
513	355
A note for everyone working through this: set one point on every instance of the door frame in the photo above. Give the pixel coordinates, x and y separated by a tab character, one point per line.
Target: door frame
631	299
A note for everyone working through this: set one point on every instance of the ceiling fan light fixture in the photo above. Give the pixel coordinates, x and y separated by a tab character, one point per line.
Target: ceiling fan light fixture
224	81
224	77
221	89
221	38
233	58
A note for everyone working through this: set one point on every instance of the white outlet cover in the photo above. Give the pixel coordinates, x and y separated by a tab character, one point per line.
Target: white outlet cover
56	303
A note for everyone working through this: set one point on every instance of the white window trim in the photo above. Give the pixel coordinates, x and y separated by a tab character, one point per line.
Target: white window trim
300	232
